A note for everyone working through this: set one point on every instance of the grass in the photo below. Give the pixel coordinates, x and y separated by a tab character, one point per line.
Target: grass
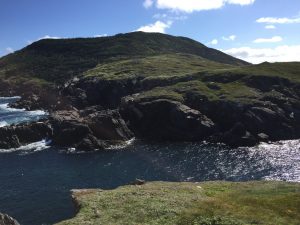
161	66
206	203
212	91
288	70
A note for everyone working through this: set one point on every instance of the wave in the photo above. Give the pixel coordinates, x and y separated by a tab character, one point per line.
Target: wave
9	99
121	145
30	148
10	116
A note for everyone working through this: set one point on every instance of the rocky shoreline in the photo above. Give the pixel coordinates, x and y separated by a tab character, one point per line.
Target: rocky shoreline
97	114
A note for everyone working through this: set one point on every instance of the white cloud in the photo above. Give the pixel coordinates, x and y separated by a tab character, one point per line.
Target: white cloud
29	42
190	6
270	27
275	20
282	53
268	40
214	42
148	3
241	2
9	50
230	38
164	16
100	35
157	27
49	37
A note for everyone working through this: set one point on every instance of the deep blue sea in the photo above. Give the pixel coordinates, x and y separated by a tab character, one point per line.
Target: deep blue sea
35	180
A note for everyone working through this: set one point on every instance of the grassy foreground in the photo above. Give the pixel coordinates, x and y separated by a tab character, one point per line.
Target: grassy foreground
207	203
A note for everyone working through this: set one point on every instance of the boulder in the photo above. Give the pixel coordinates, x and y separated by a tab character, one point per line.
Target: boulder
166	120
7	220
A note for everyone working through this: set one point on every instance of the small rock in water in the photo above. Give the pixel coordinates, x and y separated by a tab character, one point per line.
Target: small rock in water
138	182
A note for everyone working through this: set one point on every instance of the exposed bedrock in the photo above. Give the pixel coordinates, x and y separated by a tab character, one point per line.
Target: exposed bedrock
166	120
17	135
89	129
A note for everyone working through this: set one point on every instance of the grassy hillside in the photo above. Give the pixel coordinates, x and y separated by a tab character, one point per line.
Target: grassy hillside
165	65
59	60
207	203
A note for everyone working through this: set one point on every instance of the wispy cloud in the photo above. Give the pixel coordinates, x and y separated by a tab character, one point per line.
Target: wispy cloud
229	38
189	6
276	20
157	27
169	17
270	27
268	40
214	42
9	50
44	37
49	37
100	35
284	53
148	3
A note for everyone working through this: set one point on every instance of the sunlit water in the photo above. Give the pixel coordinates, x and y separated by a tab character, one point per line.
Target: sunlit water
35	180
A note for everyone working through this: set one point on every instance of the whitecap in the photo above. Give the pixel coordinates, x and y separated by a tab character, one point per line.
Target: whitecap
30	148
3	123
122	145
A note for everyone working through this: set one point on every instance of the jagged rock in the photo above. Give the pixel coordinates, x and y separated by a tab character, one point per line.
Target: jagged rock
88	129
108	125
7	220
166	120
8	142
237	136
15	136
263	137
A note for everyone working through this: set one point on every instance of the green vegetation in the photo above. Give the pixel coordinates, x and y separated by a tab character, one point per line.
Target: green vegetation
207	203
162	66
288	70
59	60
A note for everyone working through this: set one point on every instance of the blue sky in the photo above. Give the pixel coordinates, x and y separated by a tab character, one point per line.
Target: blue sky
254	30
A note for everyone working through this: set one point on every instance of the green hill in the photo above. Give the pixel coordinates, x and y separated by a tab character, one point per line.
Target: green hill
61	59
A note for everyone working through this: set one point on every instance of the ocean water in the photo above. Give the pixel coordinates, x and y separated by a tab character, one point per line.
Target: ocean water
10	116
35	180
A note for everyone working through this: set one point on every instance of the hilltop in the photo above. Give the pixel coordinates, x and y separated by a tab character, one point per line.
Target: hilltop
57	60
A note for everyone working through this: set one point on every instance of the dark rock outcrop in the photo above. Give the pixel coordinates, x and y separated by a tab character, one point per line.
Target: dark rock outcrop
88	129
15	136
91	91
7	220
166	120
